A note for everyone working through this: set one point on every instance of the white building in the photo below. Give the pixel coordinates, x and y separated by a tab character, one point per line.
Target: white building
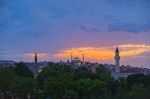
117	74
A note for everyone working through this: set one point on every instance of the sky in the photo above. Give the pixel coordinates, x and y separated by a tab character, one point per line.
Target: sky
56	28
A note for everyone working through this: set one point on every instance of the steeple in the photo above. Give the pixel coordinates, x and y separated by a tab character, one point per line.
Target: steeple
117	60
117	49
83	58
71	56
35	58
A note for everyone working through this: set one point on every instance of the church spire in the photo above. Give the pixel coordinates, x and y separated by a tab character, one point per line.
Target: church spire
35	58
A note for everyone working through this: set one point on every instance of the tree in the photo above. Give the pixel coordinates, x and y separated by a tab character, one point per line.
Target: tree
99	88
84	88
83	73
7	76
139	92
138	79
102	74
22	87
55	81
23	82
22	70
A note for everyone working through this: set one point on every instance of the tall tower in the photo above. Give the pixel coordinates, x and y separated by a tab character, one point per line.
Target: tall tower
35	58
83	58
71	56
117	61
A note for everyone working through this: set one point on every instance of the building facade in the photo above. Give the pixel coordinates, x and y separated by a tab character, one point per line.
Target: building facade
117	73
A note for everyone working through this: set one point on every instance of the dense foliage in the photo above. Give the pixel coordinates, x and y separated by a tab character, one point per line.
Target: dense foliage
59	81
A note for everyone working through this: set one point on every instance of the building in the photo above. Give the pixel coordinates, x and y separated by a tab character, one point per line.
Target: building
35	58
117	61
36	66
77	62
116	74
7	63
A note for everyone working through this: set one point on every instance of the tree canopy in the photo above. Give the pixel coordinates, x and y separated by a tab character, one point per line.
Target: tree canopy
60	81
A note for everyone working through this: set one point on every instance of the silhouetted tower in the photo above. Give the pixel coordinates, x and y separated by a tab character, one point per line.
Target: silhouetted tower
71	56
83	58
35	58
117	60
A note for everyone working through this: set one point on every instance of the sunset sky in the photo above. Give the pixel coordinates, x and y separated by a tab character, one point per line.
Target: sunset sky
56	28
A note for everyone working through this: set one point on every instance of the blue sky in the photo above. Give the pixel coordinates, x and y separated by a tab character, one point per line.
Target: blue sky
49	26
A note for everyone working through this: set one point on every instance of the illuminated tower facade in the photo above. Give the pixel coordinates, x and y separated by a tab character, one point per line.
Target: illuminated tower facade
117	61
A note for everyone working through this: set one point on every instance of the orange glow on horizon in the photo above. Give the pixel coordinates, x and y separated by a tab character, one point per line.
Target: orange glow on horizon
41	55
104	53
89	52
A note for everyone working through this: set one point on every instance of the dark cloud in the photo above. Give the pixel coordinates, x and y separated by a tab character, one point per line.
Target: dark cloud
39	25
124	3
129	27
86	29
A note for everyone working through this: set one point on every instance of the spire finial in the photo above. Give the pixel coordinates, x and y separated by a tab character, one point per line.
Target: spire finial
117	49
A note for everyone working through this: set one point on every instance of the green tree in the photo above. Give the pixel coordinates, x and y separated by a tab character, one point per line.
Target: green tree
83	73
139	92
56	81
138	79
84	88
22	70
7	76
102	74
22	87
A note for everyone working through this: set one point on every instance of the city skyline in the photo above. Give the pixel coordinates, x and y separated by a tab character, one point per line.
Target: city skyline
94	27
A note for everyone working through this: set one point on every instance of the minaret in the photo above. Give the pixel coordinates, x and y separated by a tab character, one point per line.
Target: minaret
71	56
117	61
83	58
35	58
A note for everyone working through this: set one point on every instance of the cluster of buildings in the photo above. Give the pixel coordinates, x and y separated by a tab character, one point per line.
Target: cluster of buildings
118	71
115	70
35	66
76	62
7	63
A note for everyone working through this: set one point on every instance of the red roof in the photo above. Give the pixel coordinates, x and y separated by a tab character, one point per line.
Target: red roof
130	70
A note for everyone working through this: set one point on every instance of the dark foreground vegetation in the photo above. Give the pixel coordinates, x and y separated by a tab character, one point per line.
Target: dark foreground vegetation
58	81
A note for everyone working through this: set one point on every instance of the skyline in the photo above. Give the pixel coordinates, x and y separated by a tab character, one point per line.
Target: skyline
54	28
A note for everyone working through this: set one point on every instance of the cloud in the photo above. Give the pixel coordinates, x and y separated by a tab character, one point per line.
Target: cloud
90	53
104	53
129	27
91	30
144	46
